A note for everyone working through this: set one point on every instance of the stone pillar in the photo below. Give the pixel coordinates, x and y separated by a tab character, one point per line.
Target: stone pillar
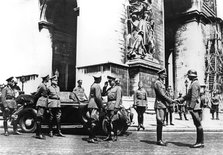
45	46
190	52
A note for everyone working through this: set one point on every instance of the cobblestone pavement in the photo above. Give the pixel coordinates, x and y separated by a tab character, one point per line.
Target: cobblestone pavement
180	125
141	143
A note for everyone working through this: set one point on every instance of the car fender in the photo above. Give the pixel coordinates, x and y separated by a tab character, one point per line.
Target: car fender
28	110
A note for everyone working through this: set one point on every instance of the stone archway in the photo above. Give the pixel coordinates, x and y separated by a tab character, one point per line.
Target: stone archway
60	19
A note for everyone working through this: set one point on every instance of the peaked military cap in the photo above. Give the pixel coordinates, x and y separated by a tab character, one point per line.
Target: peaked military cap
111	77
45	77
10	79
162	71
54	78
97	76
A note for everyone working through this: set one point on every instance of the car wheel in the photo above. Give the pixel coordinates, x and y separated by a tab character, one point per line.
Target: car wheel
27	122
122	127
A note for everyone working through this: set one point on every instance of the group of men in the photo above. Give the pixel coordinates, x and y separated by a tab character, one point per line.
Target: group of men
47	99
9	106
194	105
114	101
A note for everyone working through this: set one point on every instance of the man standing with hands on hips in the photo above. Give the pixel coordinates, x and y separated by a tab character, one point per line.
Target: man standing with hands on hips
194	106
161	103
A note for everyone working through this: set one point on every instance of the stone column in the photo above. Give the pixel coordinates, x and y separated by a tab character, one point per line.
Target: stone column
190	52
45	47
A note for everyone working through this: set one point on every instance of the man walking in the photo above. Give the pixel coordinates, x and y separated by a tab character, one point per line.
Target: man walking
9	106
194	106
161	102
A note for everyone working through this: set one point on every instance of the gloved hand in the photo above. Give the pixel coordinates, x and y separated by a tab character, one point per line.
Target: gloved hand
134	106
116	110
6	109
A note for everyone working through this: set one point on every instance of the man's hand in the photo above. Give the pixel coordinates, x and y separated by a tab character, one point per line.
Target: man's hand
134	106
116	110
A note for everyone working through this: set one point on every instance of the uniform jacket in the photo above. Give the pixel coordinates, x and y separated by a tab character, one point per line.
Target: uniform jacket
95	99
193	96
78	90
8	98
54	96
42	95
161	98
114	97
140	97
215	100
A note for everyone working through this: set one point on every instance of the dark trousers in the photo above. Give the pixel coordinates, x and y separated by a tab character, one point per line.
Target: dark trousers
140	111
215	109
39	119
113	122
160	115
92	121
9	114
169	113
54	113
197	117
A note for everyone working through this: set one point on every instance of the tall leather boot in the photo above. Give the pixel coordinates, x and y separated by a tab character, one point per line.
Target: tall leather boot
217	118
15	128
159	135
59	130
142	121
109	137
6	133
50	129
115	138
39	134
139	122
200	139
185	116
180	116
212	115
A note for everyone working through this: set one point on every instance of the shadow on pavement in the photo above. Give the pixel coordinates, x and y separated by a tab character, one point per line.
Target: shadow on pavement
180	144
148	142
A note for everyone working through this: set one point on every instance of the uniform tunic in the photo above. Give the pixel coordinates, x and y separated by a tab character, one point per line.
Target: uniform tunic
193	96
161	98
114	97
41	94
95	99
8	98
140	97
54	98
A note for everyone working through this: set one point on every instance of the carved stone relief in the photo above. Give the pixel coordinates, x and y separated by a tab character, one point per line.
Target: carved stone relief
140	30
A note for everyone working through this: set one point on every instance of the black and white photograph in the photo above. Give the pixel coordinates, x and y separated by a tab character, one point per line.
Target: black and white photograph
104	77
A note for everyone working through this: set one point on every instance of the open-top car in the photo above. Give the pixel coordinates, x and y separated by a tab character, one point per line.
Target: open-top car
73	107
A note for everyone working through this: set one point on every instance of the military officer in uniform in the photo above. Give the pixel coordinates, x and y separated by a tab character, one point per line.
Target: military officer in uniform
161	103
114	95
9	106
169	109
194	106
94	107
140	103
42	101
54	105
79	88
182	108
